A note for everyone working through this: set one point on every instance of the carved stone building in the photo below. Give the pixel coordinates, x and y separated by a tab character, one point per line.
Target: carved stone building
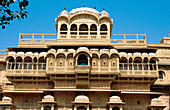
85	67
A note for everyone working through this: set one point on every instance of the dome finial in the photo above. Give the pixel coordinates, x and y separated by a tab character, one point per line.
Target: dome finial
94	7
103	8
64	8
84	6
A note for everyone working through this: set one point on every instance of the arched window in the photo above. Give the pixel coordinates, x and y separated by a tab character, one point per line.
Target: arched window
35	63
61	59
104	61
130	63
145	63
94	59
83	28
103	27
73	29
161	74
115	108
82	60
152	64
19	63
47	108
93	29
70	60
28	63
81	108
41	63
137	63
123	63
63	28
11	63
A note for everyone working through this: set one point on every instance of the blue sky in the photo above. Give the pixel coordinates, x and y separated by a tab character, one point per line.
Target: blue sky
150	17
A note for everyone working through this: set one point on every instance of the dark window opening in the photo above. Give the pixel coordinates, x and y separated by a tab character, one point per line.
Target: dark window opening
93	27
47	108
82	60
115	108
138	102
103	28
160	75
74	28
81	108
84	28
63	28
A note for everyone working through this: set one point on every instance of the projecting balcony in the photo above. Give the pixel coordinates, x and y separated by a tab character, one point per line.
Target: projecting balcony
138	70
25	69
82	68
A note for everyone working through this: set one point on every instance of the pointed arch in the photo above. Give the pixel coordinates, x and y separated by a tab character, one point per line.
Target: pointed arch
93	29
19	62
83	29
152	63
145	63
28	63
11	62
137	63
41	63
123	63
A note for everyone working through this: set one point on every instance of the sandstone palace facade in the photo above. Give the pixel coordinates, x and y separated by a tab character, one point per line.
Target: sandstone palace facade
85	67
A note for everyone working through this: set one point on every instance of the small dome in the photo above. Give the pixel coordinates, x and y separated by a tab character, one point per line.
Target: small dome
137	53
115	99
130	54
60	50
20	53
156	101
42	53
122	53
12	53
71	50
145	54
48	97
81	98
64	13
104	50
84	9
6	99
82	49
113	50
36	53
52	50
104	13
151	53
94	49
28	53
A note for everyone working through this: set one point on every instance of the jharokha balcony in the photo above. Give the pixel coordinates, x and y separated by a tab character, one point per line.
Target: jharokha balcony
138	69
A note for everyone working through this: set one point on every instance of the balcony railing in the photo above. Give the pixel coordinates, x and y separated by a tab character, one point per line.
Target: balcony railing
137	69
27	66
138	66
2	54
128	38
52	38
